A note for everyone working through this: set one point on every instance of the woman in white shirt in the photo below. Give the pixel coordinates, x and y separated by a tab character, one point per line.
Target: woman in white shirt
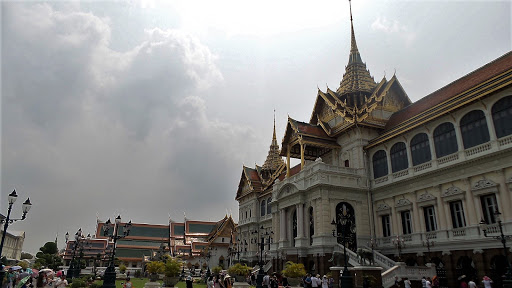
407	283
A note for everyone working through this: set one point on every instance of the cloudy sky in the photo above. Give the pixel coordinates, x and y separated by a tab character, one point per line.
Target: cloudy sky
149	109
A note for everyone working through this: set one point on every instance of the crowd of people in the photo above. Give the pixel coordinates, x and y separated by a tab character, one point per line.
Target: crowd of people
28	278
464	282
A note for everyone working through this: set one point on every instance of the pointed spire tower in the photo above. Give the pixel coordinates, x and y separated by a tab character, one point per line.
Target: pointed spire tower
273	159
357	80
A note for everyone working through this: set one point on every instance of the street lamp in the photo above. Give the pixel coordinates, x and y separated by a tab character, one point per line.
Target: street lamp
342	220
78	244
25	208
109	279
399	244
428	243
507	283
261	273
373	244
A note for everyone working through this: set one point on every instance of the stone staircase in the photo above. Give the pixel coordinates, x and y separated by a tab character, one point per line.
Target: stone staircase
390	268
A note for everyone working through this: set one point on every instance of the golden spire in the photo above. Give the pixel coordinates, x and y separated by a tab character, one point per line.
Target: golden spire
356	78
354	53
273	159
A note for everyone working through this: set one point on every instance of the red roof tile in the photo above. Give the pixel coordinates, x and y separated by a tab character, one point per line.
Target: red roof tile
315	130
295	169
460	85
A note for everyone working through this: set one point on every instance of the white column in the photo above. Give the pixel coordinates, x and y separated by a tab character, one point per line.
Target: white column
490	125
440	209
504	195
432	146
300	221
282	225
473	218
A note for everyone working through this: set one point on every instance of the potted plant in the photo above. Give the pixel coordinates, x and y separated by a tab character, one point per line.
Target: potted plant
294	272
171	272
154	268
239	271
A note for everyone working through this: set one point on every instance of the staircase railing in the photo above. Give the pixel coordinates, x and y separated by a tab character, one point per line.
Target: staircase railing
353	258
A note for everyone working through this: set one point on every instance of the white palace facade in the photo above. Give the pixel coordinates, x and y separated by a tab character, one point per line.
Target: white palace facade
413	180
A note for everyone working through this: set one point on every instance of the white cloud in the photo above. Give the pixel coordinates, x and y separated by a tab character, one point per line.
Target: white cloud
89	129
395	28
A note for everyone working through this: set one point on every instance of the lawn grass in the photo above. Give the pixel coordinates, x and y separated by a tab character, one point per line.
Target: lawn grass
139	283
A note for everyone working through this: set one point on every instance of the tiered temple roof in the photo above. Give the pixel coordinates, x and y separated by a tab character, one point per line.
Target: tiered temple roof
359	99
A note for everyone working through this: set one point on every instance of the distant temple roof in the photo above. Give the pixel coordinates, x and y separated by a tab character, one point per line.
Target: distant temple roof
274	160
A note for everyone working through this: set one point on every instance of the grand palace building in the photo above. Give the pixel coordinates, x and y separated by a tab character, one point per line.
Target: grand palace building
412	181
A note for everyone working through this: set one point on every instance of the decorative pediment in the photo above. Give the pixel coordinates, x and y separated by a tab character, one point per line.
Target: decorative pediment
452	191
403	202
383	209
483	184
383	206
403	205
426	197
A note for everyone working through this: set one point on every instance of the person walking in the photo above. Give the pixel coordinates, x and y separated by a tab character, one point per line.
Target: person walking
487	282
62	282
407	283
314	281
471	283
189	281
210	283
325	282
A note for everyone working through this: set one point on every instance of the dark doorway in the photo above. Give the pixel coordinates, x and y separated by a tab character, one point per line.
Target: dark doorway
345	211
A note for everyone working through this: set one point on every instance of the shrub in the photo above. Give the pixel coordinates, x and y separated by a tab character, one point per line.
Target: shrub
155	267
172	267
78	282
294	270
239	269
94	285
216	270
138	273
122	268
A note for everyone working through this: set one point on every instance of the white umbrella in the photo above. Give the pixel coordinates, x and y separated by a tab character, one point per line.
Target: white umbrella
14	268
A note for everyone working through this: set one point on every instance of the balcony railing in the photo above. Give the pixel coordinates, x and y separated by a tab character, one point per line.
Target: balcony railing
470	153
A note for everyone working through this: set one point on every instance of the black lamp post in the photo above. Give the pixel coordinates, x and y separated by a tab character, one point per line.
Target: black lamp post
261	273
373	244
109	279
343	220
428	243
399	244
78	244
507	282
25	208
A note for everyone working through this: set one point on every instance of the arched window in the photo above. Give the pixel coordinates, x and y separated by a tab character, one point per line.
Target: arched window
269	207
262	207
420	149
445	140
398	156
502	116
473	128
311	225
380	164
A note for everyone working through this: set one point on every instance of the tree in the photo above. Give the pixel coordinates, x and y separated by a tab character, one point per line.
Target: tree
48	256
25	255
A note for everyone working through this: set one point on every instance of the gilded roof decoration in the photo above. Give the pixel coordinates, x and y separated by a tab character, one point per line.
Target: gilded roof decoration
274	160
358	97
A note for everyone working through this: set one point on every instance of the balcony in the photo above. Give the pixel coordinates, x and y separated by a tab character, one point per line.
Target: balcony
446	161
445	240
319	173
